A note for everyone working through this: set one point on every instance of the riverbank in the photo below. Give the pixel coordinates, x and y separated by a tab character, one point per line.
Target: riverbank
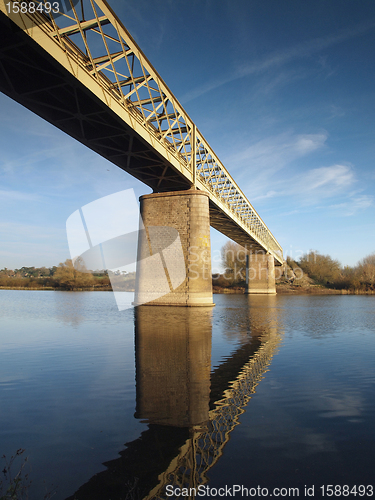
50	288
291	289
318	290
281	288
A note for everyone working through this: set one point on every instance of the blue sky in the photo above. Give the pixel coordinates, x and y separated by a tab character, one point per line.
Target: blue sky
284	92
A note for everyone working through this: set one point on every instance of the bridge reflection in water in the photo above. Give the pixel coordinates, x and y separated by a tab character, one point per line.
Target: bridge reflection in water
190	410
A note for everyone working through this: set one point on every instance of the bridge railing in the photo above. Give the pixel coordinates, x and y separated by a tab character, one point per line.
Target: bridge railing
98	46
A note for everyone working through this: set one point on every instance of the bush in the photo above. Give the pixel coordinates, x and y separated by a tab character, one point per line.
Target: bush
14	485
321	268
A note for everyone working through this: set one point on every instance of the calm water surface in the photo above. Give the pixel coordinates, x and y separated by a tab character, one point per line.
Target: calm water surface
275	392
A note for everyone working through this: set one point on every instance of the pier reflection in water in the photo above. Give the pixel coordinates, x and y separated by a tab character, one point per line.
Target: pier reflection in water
173	364
190	411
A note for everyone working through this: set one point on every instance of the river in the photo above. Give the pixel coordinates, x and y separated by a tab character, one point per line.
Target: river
253	397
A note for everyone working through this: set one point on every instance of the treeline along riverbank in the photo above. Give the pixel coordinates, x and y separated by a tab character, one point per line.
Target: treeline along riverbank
312	273
65	276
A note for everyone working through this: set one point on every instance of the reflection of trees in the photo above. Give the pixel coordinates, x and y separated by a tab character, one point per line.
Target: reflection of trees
249	316
70	311
189	423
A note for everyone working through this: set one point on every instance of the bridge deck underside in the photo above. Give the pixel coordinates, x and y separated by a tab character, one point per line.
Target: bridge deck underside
30	76
222	223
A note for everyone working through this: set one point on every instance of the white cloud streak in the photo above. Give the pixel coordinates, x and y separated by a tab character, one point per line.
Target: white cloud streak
332	178
318	184
354	204
324	183
258	170
263	159
277	151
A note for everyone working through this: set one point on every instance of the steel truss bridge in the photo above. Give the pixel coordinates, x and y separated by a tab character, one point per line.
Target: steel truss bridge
82	71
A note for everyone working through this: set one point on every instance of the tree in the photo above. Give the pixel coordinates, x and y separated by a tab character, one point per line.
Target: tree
350	278
52	270
321	268
43	271
68	277
366	268
233	257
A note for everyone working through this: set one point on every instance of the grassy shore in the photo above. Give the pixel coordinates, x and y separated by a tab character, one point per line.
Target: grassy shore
297	289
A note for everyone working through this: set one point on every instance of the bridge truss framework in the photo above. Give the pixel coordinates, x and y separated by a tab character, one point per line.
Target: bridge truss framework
160	144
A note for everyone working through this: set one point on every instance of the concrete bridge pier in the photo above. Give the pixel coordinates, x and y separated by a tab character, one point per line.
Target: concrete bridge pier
174	250
260	273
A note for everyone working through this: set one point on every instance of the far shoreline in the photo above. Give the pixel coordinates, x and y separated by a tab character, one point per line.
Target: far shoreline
290	289
281	289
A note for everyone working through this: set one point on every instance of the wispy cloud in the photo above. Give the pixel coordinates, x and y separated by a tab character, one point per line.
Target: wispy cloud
263	170
348	405
270	194
13	165
280	58
332	178
336	112
354	204
318	187
318	184
32	244
18	196
260	161
276	151
267	84
14	231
